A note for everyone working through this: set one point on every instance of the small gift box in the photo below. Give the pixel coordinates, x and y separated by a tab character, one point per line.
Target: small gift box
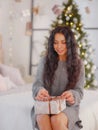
54	106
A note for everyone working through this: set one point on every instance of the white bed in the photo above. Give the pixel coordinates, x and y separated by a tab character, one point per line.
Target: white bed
15	109
16	105
89	110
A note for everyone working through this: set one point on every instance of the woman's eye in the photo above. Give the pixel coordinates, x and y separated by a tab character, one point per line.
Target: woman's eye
59	43
63	42
55	42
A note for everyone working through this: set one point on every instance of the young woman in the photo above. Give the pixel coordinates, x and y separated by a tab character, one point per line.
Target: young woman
60	73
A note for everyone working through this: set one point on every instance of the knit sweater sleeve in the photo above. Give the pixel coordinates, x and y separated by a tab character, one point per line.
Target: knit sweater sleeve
38	83
78	90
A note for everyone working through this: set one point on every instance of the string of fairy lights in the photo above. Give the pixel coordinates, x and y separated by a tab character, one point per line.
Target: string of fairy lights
14	15
11	33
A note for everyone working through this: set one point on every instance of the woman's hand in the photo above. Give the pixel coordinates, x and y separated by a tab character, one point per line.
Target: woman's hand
42	95
68	96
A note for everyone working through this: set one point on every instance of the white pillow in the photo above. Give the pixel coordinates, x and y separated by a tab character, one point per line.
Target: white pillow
13	73
6	84
9	83
3	86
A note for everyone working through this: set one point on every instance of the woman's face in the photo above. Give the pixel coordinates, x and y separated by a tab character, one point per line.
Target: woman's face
60	45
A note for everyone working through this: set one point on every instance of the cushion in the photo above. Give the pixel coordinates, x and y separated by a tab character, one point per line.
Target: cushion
6	83
13	74
3	86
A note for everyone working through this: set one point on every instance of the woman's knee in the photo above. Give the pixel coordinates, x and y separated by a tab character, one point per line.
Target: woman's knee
41	118
59	119
43	122
54	119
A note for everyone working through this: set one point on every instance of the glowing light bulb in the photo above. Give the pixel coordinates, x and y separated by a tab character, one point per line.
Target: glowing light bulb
80	45
77	28
67	23
71	23
70	15
88	66
83	53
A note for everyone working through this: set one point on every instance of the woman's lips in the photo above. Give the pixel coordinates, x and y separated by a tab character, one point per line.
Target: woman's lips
60	51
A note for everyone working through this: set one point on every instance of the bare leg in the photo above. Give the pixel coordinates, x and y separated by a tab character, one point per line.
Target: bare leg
44	122
59	122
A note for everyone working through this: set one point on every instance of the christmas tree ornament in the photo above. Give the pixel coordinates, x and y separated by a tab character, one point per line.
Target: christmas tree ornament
69	8
75	20
73	30
85	62
67	18
89	76
60	21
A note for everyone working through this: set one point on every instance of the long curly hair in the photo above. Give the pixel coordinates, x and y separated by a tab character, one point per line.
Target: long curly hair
52	58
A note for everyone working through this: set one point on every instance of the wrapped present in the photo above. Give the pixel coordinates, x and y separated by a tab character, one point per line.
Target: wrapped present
54	106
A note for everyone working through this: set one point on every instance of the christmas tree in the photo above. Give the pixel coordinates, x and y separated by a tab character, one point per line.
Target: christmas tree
69	15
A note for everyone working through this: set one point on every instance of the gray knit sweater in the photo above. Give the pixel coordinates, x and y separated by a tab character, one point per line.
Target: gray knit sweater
59	86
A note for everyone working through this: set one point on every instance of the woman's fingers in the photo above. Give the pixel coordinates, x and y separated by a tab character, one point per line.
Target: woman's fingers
68	96
40	98
45	94
42	95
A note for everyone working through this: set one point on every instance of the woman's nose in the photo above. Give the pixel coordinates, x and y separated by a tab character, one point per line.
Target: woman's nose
59	45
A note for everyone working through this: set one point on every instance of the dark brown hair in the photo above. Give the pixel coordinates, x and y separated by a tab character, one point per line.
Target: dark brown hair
72	61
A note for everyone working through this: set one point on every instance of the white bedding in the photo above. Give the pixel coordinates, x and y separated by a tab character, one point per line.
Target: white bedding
89	110
18	89
15	110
